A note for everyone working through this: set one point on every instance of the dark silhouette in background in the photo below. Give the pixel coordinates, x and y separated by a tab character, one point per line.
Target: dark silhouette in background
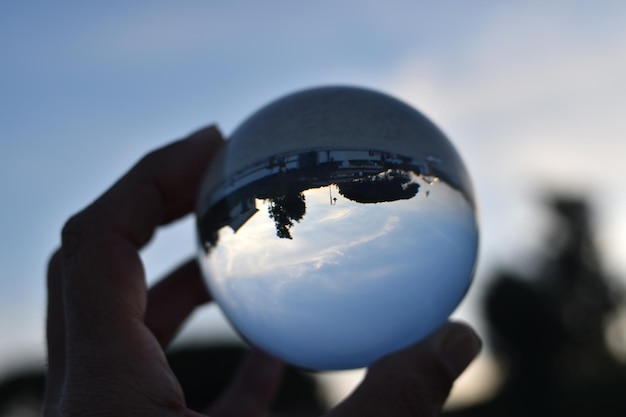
21	393
548	330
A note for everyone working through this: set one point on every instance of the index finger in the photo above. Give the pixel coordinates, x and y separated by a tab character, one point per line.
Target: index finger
160	188
104	283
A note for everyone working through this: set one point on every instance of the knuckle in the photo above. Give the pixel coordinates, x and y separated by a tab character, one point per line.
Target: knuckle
72	226
72	234
55	262
55	265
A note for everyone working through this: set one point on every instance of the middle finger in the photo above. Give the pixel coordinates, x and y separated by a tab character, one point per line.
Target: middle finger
173	299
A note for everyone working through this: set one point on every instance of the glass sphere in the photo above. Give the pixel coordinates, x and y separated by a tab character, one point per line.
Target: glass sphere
337	226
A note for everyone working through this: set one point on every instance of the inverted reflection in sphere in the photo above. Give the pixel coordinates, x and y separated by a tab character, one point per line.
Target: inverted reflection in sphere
337	226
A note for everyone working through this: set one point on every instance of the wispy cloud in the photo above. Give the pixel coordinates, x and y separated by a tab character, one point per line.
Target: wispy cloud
255	251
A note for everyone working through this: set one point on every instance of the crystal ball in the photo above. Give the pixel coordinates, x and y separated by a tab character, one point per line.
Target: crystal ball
338	225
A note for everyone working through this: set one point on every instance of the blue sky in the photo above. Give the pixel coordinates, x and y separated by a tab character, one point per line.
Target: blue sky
532	94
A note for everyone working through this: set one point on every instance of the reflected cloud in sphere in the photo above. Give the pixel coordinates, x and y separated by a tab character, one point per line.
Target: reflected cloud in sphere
337	226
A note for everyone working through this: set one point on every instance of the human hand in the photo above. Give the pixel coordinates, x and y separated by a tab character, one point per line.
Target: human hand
106	331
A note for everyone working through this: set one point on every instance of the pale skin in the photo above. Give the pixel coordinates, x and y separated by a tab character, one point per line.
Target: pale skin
107	330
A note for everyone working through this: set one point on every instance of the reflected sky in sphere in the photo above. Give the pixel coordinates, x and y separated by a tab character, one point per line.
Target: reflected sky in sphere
337	226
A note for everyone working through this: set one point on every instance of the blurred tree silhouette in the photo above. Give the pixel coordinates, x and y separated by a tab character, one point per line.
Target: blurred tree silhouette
548	330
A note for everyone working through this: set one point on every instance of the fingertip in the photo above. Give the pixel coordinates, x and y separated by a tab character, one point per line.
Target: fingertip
205	144
266	363
211	132
457	344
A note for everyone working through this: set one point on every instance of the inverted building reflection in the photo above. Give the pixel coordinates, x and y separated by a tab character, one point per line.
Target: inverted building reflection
362	176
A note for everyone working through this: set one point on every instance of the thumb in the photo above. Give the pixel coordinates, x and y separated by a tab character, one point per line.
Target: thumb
415	381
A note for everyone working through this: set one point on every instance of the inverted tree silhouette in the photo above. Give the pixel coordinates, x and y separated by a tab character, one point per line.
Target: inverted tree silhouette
285	210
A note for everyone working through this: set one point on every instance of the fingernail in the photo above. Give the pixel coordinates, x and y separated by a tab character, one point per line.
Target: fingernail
458	347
